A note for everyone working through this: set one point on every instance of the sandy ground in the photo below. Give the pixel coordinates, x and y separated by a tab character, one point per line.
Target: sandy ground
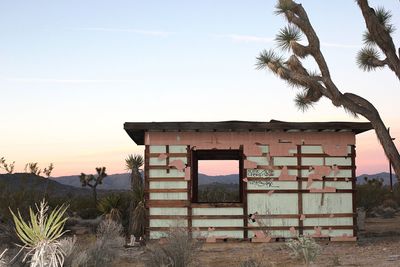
379	245
366	253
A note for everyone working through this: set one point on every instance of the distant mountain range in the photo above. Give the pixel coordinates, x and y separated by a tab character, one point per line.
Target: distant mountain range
111	182
71	184
385	176
122	181
20	182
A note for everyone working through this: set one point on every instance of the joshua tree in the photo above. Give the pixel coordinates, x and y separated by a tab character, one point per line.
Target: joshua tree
47	171
136	207
92	181
8	167
33	167
315	85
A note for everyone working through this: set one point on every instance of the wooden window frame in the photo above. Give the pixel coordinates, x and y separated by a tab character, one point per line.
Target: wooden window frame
215	154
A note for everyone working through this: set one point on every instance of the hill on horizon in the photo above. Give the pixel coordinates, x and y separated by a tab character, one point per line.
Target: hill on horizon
121	181
31	182
71	184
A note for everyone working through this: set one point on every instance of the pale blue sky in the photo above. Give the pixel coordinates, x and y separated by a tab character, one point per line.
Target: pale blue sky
72	72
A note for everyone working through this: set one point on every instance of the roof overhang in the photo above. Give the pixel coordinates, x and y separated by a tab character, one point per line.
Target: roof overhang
136	130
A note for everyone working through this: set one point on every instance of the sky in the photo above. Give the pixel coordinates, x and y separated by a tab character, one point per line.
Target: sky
72	72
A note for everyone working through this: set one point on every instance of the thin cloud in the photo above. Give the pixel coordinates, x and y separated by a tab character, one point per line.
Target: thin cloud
247	38
69	81
137	31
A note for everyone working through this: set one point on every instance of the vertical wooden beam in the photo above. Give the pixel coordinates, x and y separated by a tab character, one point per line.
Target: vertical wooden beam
194	177
167	159
243	192
146	189
189	190
354	187
300	186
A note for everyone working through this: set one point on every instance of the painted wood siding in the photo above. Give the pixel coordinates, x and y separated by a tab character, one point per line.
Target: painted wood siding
281	201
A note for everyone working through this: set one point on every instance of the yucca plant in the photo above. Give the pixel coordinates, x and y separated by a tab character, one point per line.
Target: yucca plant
40	235
110	207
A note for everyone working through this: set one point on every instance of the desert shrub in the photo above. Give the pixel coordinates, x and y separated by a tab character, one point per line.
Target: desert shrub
103	251
41	235
390	203
2	259
75	255
68	246
178	251
305	248
217	192
371	194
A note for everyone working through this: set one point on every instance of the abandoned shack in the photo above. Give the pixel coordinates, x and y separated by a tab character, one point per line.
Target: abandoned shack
293	178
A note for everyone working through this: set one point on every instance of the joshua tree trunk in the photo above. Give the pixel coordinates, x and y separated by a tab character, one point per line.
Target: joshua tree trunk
361	106
94	195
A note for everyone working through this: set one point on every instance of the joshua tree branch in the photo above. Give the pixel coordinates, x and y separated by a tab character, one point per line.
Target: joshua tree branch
293	72
380	35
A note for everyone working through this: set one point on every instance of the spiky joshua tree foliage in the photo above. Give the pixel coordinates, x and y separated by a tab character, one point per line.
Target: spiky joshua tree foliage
377	40
133	164
40	235
93	181
314	85
8	167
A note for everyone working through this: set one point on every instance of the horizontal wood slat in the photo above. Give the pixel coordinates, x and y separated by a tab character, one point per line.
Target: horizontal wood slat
194	217
216	205
170	190
167	179
250	228
259	216
277	191
178	155
276	179
167	203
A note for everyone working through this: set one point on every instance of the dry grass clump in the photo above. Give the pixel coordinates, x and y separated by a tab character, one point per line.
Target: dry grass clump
179	250
101	252
2	258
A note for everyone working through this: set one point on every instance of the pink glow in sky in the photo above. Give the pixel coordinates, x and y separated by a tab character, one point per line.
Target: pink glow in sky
218	167
68	83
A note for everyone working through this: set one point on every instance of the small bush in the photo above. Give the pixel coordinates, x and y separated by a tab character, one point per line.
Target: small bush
390	203
108	238
305	248
178	251
68	246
